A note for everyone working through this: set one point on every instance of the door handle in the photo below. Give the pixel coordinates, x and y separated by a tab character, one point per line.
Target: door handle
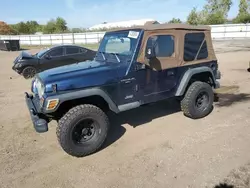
170	73
127	81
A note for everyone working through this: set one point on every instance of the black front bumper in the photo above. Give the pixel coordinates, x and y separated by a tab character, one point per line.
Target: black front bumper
18	70
40	124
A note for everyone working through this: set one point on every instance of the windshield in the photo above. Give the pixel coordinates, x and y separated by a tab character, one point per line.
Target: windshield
118	46
42	52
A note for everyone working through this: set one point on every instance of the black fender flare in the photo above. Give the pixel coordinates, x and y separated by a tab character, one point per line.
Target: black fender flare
81	94
188	75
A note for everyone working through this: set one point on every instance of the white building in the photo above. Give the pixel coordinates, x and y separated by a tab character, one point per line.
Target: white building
128	23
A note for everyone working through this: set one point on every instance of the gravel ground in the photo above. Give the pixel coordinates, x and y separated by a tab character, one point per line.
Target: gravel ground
160	149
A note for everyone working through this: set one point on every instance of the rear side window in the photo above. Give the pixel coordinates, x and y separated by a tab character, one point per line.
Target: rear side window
83	50
195	45
56	52
72	50
164	45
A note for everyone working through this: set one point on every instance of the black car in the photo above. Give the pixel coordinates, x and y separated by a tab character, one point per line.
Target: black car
28	65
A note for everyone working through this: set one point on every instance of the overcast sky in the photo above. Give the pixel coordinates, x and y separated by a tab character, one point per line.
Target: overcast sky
86	13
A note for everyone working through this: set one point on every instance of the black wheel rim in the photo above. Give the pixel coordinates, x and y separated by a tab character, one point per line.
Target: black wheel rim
30	72
202	101
84	131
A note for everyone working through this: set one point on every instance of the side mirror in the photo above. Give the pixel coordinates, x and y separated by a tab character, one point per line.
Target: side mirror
150	52
47	56
139	66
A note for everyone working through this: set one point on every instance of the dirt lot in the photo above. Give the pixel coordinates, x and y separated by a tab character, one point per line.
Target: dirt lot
160	149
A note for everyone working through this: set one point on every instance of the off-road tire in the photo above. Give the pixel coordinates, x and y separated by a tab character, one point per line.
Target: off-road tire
188	104
28	72
68	122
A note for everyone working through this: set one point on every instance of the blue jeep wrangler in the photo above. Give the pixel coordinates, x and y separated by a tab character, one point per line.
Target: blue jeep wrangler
133	67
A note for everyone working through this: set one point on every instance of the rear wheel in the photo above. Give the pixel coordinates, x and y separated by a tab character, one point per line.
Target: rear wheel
29	72
198	100
82	130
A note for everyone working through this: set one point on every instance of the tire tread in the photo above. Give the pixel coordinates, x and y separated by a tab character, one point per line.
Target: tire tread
188	98
63	128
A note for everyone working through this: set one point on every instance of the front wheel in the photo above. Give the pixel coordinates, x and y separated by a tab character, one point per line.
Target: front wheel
82	130
198	100
28	72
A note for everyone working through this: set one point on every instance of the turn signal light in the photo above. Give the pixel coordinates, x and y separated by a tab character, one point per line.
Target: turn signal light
52	104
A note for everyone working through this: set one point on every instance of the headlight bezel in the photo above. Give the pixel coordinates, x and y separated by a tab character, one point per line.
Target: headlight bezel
18	65
38	88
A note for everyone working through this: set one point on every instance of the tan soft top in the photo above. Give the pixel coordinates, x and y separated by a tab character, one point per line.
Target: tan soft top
178	33
172	26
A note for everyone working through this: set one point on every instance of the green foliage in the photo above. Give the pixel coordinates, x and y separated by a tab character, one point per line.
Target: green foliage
214	12
78	30
22	28
50	27
29	27
215	18
242	19
32	26
40	28
225	6
194	17
61	25
175	20
14	28
243	7
56	26
215	6
243	15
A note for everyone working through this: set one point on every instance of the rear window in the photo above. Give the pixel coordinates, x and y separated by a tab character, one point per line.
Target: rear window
195	45
72	50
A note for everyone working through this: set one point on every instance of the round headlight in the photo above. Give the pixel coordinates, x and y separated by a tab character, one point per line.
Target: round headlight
38	88
33	85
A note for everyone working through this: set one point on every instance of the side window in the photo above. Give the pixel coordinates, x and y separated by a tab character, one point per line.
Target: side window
82	50
195	45
72	50
164	45
56	52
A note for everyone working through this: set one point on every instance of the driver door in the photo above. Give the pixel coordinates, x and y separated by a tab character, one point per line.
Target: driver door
53	58
161	71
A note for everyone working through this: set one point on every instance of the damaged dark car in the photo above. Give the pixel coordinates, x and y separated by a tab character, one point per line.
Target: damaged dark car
28	65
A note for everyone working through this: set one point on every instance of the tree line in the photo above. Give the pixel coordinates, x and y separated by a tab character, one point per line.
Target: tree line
214	12
58	25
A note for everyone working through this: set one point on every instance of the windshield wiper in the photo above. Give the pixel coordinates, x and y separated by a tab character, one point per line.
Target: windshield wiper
103	56
118	59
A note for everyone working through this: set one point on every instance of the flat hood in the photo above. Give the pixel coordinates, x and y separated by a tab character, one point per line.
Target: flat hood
80	75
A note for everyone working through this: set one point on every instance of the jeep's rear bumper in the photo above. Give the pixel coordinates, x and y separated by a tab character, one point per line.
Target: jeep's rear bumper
40	124
217	77
217	85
